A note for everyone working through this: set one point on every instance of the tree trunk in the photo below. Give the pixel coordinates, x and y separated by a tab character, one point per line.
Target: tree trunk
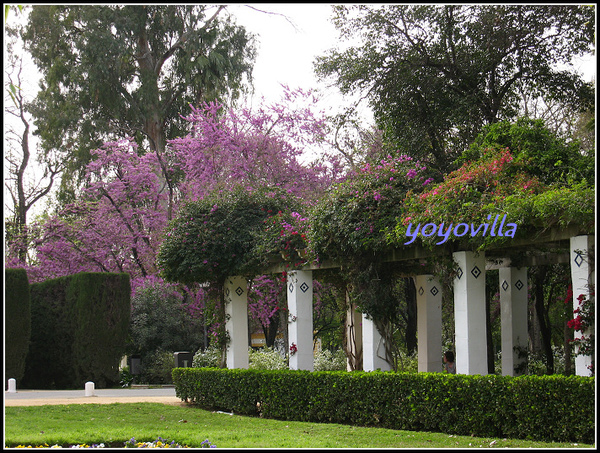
271	330
541	312
411	315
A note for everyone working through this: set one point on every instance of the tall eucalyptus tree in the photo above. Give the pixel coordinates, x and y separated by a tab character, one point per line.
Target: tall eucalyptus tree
111	71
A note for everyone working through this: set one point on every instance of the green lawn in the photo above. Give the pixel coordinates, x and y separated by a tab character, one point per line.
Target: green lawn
114	424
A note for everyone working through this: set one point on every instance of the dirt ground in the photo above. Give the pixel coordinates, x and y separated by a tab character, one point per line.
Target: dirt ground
171	400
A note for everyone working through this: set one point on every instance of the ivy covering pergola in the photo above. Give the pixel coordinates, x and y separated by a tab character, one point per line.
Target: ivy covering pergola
361	229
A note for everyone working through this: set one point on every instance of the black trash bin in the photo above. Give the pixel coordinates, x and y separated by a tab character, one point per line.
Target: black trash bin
183	359
135	362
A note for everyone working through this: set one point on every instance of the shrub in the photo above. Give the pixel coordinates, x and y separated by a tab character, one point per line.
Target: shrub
548	408
79	328
101	307
325	360
156	368
160	321
17	315
266	359
49	362
210	357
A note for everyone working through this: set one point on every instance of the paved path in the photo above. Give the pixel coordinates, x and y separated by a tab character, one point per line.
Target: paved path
101	396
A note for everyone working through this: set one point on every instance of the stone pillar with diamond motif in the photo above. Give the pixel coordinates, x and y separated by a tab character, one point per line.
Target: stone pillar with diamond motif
236	311
469	314
429	323
513	319
582	276
300	319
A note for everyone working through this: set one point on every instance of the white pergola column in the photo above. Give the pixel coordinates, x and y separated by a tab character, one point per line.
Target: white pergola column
429	323
300	328
236	324
373	347
513	319
582	275
469	314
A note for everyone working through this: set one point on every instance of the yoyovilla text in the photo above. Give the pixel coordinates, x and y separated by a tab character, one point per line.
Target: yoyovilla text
461	229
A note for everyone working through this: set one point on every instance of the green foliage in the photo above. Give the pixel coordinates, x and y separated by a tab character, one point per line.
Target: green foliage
79	328
101	307
209	358
557	206
496	184
351	226
115	70
160	321
325	360
352	221
49	362
551	408
17	322
266	359
125	377
544	155
436	74
156	367
214	238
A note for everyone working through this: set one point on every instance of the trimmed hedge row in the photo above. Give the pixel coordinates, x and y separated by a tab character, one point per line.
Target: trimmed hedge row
549	408
17	322
79	330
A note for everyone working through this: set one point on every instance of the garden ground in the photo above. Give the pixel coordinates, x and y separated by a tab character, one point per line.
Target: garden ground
64	421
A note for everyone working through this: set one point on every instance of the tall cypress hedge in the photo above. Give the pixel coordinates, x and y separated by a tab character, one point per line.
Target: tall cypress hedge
17	321
49	359
79	330
101	305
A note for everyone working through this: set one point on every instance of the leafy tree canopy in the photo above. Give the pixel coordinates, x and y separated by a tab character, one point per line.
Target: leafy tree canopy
112	71
214	238
545	155
435	75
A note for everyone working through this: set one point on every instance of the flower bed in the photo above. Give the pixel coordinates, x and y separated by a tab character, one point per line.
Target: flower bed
131	443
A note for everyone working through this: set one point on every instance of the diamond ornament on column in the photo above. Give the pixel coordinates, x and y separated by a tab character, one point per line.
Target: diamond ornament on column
519	285
578	258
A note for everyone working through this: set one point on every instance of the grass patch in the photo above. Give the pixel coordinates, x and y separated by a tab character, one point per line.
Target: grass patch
114	424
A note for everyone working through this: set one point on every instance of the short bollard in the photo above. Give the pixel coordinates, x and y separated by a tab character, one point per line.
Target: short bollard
12	385
89	389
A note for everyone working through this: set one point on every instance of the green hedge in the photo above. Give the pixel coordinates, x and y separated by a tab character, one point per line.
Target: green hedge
17	322
49	360
79	330
549	408
101	305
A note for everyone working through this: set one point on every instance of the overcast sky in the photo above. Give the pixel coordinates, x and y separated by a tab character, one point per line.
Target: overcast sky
290	37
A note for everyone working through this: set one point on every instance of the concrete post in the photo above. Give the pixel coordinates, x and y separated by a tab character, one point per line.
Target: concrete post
469	314
513	318
89	389
373	347
582	275
429	323
300	328
12	385
236	311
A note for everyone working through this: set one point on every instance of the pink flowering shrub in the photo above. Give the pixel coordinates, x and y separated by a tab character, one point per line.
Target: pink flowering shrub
357	214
